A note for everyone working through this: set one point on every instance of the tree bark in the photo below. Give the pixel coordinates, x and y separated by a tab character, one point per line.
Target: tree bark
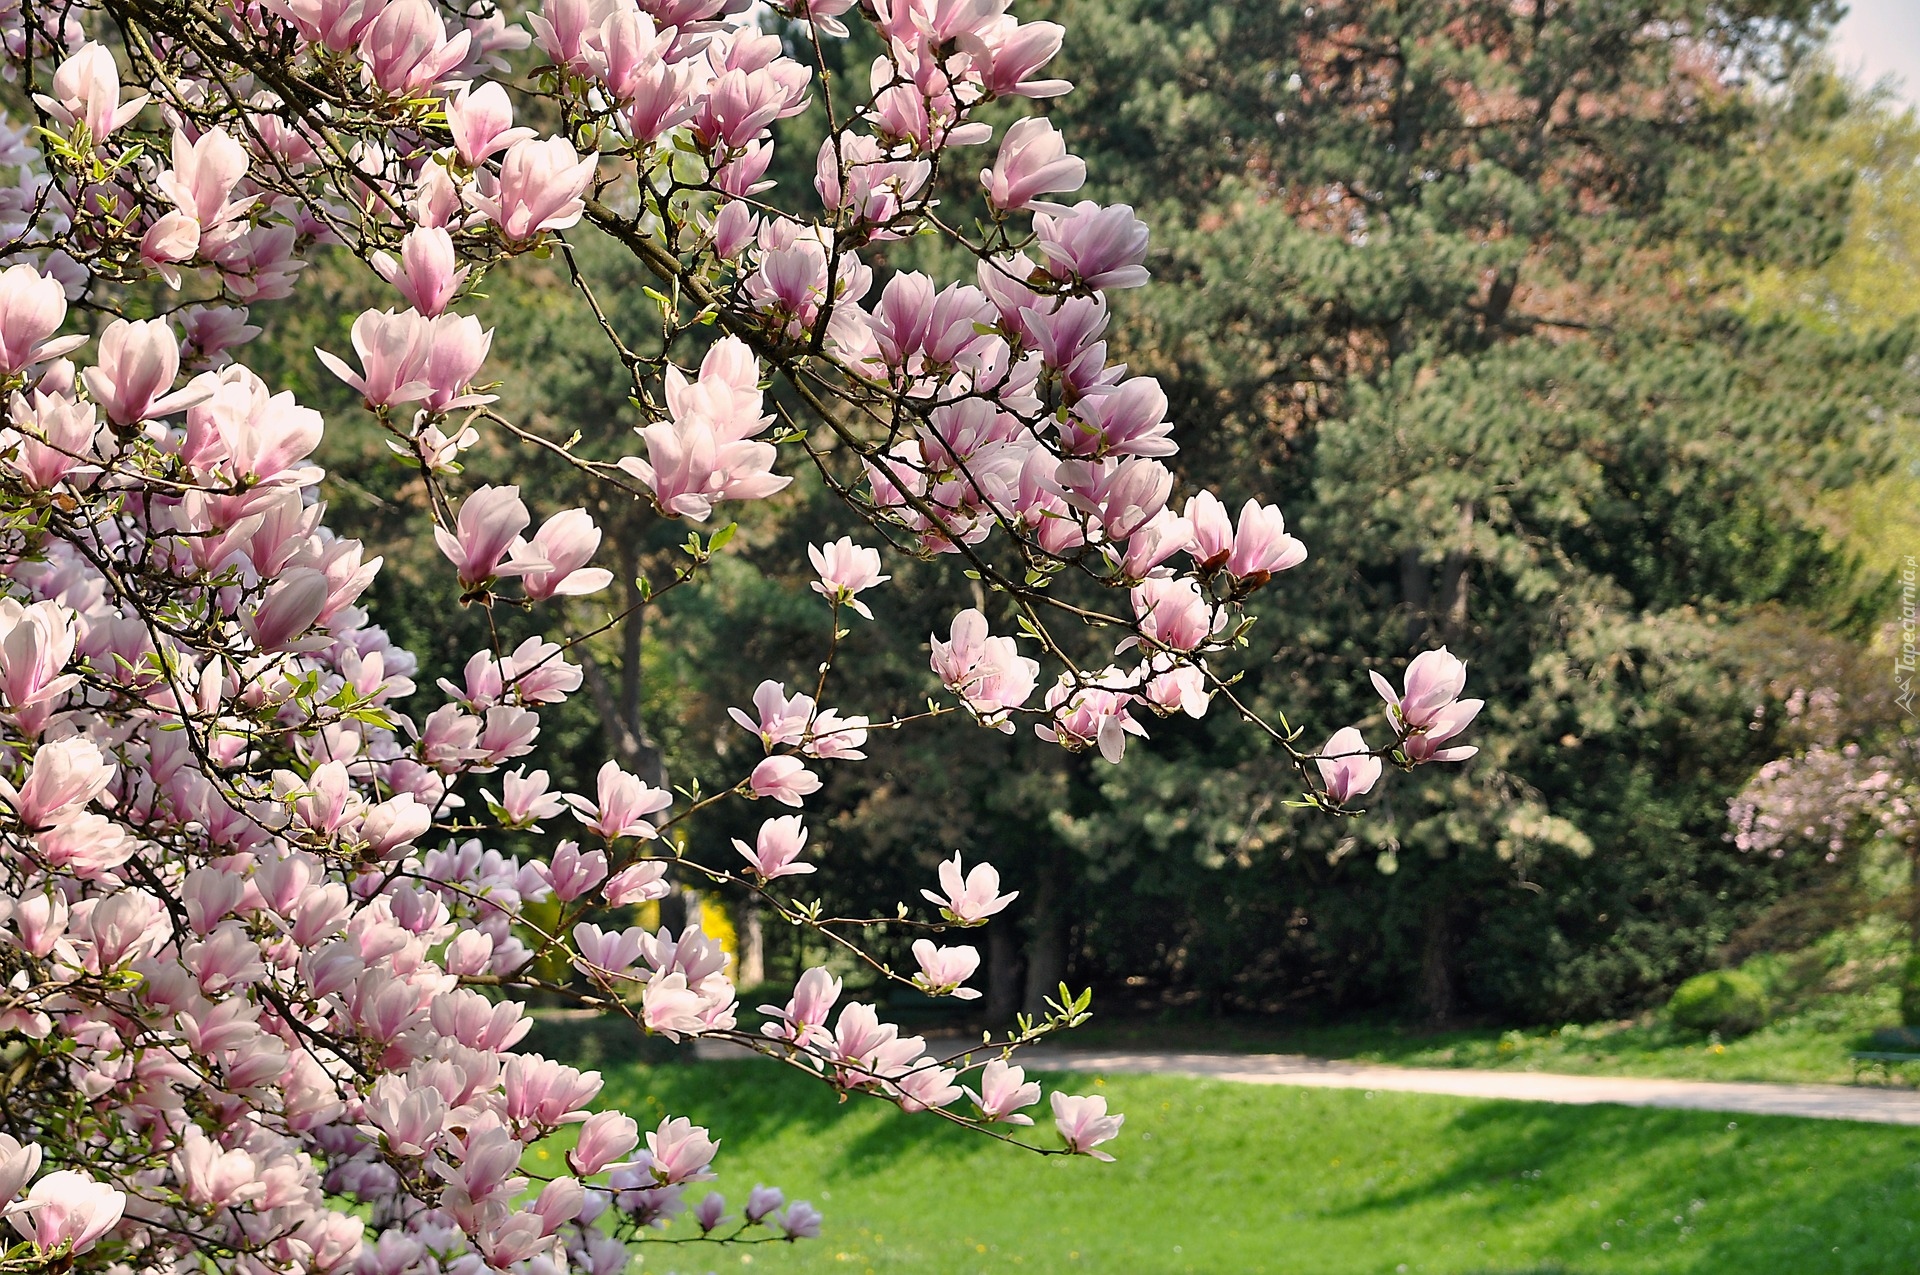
1436	967
1003	972
622	722
753	948
1047	941
1455	583
1416	592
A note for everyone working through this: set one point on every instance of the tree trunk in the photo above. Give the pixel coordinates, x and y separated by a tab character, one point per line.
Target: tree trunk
1436	967
679	908
1415	591
1454	580
1047	942
753	948
1003	971
622	722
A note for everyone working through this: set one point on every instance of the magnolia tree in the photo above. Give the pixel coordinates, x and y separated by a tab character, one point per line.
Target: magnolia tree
262	942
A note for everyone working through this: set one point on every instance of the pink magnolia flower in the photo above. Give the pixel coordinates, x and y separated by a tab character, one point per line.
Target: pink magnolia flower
138	361
1180	688
65	775
1033	161
1128	419
558	1203
407	49
689	468
1004	1090
541	184
608	953
392	347
32	308
1005	54
1090	715
67	1210
925	1086
212	331
86	845
1103	248
392	827
524	799
638	883
574	874
1211	529
454	349
784	779
481	121
488	526
438	452
1434	680
988	673
1084	1124
846	569
706	452
681	1152
943	969
173	238
1346	767
622	806
547	1094
775	848
41	919
782	720
1431	712
540	674
215	1178
562	29
672	1008
833	736
36	644
798	1221
969	901
86	90
1424	745
1174	613
18	1164
803	1018
1261	546
428	272
1125	497
710	1212
855	174
336	24
202	179
565	543
733	229
606	1136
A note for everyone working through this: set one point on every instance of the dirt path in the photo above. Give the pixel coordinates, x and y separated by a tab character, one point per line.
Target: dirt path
1819	1102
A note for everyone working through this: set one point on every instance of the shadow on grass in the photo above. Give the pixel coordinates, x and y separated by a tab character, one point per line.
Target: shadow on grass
1726	1191
756	1101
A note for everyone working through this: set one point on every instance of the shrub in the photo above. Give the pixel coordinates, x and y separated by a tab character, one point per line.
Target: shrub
1730	1002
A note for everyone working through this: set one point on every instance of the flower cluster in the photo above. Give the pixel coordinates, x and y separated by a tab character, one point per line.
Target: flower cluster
259	942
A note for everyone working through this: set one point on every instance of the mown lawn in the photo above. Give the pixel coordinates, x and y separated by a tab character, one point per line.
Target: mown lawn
1214	1177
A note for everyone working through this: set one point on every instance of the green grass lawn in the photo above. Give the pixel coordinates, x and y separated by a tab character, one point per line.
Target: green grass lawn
1215	1177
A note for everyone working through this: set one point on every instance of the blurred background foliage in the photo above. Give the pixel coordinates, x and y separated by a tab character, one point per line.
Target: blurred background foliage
1579	337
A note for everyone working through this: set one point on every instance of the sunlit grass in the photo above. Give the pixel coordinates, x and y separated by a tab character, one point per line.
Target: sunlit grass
1215	1177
